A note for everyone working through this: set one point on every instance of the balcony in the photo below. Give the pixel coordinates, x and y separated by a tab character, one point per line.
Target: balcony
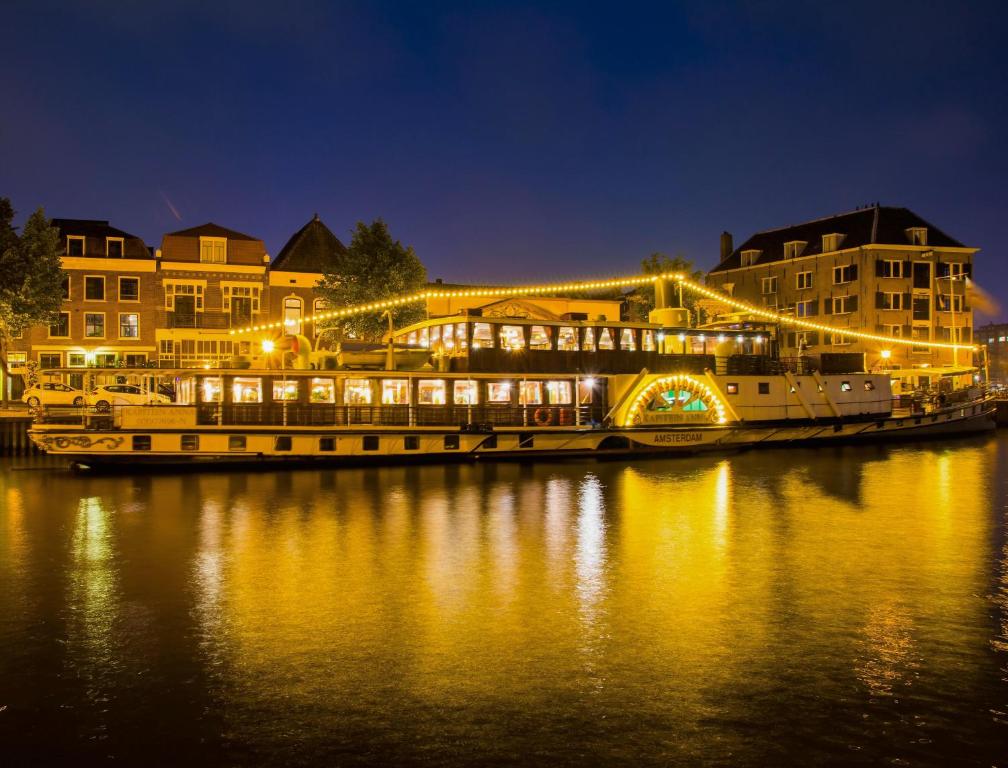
208	320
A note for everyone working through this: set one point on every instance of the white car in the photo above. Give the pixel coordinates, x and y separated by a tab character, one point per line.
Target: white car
52	393
106	396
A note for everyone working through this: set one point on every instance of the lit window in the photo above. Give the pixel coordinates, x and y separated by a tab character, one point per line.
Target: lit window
567	339
448	338
845	386
357	392
648	341
589	339
869	386
482	335
94	325
435	337
211	390
605	339
560	392
285	389
460	336
292	314
731	389
431	392
539	337
531	393
394	392
627	341
322	391
512	337
423	338
499	392
246	390
466	393
129	326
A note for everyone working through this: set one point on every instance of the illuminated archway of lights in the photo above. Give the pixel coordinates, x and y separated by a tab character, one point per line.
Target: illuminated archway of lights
676	383
596	285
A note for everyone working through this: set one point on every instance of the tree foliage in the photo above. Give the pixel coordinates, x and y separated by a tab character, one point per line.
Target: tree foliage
375	267
31	276
642	300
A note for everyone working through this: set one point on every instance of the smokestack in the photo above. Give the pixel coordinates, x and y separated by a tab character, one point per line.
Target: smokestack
726	245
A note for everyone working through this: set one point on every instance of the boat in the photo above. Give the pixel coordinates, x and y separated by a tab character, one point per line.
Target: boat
511	382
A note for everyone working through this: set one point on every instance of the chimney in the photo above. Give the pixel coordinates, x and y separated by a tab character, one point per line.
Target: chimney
726	245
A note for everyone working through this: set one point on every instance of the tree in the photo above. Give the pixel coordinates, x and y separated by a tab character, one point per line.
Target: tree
31	278
642	300
375	267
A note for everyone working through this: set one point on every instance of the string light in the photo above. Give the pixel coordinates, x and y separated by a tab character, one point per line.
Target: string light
599	285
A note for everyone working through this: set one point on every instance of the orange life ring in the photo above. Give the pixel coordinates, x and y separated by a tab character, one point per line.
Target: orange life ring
543	417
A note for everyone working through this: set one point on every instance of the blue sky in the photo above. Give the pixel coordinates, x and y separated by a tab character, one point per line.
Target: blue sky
509	141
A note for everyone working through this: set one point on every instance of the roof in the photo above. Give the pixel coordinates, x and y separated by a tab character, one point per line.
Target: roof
313	248
211	230
134	246
873	225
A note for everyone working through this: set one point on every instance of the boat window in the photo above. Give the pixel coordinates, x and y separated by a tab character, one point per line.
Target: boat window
763	387
466	393
499	392
869	385
731	389
435	336
327	444
531	393
282	443
285	390
845	386
560	392
589	340
236	442
246	390
323	391
411	338
647	341
370	442
357	392
189	442
567	339
451	442
627	340
395	392
211	390
423	338
460	336
141	442
605	339
448	338
482	335
431	392
512	337
540	337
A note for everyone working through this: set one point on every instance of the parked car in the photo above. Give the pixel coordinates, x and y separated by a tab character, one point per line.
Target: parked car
106	396
53	393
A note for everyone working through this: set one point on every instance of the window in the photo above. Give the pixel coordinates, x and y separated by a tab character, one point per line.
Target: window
531	393
50	360
282	443
628	342
395	392
560	392
448	338
189	442
749	257
61	328
292	314
94	288
512	337
135	361
65	286
920	334
589	340
957	335
869	385
461	343
370	442
141	442
105	360
114	247
831	242
211	390
922	275
75	246
893	331
955	270
891	268
731	389
285	389
526	439
888	300
539	338
435	337
357	392
327	444
917	235
242	300
94	325
839	339
806	308
322	391
499	392
129	289
845	274
843	305
17	359
764	387
567	340
129	325
451	442
845	386
605	339
466	393
803	280
769	285
794	248
236	442
411	443
921	307
246	390
431	392
184	298
482	335
648	341
951	303
213	250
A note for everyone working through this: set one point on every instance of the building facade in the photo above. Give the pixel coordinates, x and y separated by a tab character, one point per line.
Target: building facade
994	336
879	270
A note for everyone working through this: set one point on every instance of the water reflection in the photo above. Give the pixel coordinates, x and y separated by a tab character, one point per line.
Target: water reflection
653	611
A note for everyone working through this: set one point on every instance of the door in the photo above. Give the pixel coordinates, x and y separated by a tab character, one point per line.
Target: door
241	311
185	311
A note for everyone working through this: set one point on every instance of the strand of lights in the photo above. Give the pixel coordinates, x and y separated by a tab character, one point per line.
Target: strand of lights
595	285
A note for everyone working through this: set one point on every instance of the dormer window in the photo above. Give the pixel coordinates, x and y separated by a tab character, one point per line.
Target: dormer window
114	247
831	242
917	235
75	245
793	248
213	250
749	257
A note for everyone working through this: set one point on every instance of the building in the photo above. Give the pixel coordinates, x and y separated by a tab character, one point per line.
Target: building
297	270
994	337
108	315
879	269
211	279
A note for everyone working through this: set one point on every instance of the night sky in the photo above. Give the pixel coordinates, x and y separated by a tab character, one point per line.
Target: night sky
509	142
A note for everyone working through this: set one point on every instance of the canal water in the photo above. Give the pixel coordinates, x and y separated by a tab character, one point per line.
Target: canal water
835	606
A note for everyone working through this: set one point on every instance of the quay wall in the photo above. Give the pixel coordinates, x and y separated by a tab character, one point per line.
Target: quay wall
14	440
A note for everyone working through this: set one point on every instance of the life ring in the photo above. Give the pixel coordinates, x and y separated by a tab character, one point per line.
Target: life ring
543	417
